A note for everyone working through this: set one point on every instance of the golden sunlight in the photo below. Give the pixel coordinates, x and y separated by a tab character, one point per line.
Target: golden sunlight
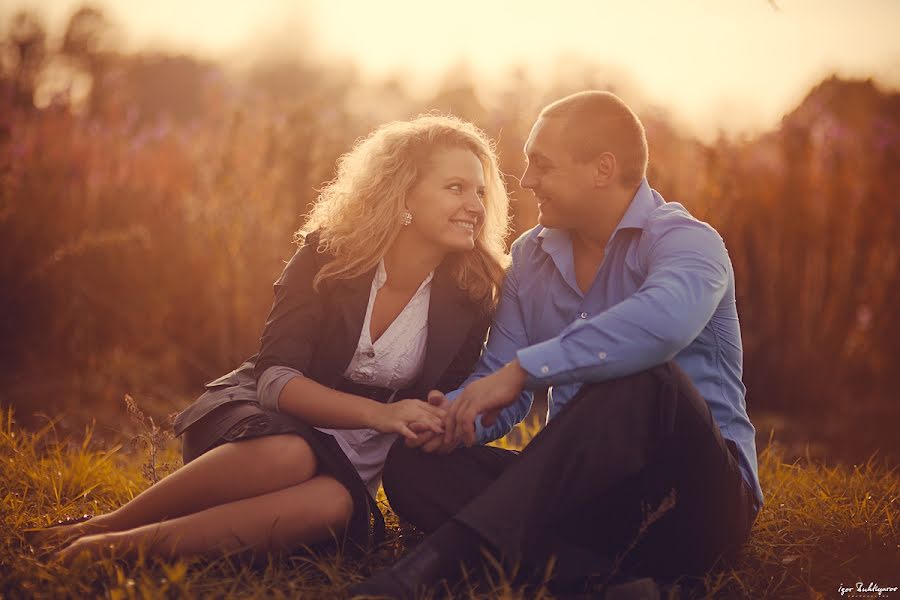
737	65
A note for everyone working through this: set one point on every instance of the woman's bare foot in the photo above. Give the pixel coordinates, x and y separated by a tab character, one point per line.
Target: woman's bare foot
63	533
89	547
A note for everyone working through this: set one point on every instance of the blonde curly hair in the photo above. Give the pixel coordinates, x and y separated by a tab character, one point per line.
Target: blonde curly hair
358	213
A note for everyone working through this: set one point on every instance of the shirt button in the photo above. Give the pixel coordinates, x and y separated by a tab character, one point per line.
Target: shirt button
545	369
583	315
370	354
602	355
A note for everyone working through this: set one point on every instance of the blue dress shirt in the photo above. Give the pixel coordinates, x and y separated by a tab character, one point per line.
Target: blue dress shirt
664	291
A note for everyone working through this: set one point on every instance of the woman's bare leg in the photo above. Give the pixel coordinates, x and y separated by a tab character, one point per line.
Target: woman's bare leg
283	520
232	471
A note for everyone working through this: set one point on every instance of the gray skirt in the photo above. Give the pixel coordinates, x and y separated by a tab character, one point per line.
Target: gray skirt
241	417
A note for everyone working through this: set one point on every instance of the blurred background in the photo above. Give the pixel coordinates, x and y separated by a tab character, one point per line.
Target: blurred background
156	157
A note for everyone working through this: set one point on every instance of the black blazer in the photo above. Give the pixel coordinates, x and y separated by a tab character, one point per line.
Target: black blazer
317	333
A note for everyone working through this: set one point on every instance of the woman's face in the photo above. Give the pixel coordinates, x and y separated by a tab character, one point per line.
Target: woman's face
447	201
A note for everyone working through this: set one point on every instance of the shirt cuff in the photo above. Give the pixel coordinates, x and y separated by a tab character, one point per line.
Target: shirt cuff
542	361
452	396
480	431
270	384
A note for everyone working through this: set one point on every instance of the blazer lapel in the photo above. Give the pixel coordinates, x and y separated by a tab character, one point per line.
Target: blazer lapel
449	321
351	299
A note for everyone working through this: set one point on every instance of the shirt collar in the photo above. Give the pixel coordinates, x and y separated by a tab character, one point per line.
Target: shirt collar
554	241
380	275
637	213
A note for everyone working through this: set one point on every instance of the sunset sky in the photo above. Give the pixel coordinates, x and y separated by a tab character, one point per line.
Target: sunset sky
738	63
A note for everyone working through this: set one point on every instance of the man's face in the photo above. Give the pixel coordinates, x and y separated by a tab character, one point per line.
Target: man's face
563	187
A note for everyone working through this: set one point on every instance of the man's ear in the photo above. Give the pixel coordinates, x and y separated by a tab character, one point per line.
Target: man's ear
604	169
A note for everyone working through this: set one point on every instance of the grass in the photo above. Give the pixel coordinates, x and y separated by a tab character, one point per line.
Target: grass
823	527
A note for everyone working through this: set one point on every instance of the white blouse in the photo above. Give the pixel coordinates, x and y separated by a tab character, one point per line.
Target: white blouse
393	361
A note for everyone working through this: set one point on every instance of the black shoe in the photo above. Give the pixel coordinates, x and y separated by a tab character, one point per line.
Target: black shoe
421	569
644	588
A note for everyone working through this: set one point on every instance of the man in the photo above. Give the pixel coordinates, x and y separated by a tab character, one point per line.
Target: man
624	305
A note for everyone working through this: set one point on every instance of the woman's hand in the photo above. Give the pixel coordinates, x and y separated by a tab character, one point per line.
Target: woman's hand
397	417
429	441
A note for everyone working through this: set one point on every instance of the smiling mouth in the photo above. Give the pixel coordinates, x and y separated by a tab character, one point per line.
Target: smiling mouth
466	225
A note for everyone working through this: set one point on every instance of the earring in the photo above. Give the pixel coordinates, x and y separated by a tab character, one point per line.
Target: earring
407	218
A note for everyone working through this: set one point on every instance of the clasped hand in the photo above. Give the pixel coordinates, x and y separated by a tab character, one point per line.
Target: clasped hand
487	397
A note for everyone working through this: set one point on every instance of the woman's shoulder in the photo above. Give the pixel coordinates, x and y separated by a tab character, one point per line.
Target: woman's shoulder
310	244
308	258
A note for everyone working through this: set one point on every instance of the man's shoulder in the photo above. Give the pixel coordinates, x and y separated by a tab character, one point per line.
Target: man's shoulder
674	216
671	228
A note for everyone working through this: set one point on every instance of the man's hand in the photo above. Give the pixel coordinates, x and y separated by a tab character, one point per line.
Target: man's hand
487	397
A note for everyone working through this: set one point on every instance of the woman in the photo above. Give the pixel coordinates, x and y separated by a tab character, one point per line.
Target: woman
390	296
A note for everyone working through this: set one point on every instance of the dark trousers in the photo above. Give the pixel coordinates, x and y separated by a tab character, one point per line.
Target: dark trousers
583	487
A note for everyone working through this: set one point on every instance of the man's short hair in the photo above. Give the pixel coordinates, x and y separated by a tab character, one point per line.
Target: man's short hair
598	122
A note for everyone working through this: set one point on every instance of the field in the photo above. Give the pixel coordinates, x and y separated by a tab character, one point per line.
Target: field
822	527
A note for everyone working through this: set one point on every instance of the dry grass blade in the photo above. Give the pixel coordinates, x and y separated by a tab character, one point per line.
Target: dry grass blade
822	526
